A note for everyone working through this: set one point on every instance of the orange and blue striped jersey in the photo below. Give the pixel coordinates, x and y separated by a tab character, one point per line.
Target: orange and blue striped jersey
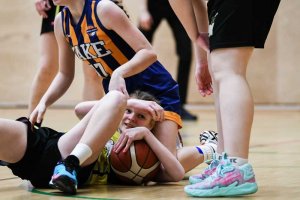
105	50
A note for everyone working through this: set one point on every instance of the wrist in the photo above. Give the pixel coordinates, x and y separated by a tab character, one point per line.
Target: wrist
147	134
117	72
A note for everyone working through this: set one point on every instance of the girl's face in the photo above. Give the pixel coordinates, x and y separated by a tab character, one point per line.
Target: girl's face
134	117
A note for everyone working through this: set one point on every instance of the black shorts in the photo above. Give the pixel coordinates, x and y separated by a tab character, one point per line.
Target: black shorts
41	157
48	23
239	23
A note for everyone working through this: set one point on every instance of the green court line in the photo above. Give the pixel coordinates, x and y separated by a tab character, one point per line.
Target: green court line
36	191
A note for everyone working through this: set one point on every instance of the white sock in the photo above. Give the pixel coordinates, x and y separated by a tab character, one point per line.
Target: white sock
82	152
238	161
207	152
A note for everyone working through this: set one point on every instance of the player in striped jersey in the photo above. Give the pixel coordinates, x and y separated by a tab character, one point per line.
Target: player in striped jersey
48	60
100	33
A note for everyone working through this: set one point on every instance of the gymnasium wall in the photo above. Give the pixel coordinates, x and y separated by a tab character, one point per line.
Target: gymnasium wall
273	73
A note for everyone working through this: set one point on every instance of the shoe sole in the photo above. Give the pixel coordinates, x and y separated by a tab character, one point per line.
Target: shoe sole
64	184
231	190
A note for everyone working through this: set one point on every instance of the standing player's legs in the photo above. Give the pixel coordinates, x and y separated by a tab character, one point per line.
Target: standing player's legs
234	106
234	102
231	42
235	29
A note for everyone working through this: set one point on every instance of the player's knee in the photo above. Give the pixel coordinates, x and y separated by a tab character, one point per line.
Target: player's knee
118	99
80	111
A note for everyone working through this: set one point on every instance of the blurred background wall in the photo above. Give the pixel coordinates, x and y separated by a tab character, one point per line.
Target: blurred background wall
273	72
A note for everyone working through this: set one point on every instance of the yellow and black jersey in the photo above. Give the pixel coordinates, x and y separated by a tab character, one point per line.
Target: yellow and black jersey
105	50
101	170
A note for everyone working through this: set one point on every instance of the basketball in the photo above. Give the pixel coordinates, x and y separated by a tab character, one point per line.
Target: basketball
136	166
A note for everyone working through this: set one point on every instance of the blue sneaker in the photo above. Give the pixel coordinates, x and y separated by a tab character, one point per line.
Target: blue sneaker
64	178
227	180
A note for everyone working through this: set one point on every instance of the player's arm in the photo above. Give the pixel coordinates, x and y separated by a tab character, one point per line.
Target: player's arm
170	170
185	13
64	77
113	18
83	108
193	16
66	72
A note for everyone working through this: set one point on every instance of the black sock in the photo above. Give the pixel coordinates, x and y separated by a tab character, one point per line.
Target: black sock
71	163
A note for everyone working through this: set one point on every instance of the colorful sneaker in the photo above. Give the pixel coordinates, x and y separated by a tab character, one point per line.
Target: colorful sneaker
227	180
206	173
64	178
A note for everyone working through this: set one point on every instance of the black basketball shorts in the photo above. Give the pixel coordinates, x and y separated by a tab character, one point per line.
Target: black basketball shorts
239	23
48	23
41	157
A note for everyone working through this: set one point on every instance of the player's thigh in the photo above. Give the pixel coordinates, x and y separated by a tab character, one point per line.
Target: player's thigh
13	140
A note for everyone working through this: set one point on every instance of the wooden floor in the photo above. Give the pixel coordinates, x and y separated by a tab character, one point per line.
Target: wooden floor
274	153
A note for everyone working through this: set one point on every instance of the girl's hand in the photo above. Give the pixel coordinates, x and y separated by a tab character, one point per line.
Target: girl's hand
203	79
145	20
128	136
37	114
156	111
42	6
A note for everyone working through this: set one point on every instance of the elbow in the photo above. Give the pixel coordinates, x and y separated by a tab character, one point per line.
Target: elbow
180	175
80	110
152	56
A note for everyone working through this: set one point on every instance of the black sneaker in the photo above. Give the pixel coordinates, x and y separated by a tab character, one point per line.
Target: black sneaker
185	115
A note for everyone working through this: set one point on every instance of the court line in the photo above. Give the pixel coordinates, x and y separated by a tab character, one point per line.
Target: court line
36	191
5	179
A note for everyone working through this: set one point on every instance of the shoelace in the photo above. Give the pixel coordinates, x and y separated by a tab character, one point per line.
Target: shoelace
212	164
223	169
